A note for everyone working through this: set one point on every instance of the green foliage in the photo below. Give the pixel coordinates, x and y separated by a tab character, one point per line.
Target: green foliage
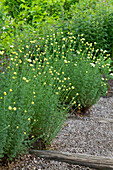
54	55
81	64
95	22
34	12
29	106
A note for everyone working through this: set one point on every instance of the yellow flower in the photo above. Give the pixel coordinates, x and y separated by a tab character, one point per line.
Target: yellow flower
29	60
34	120
57	93
72	87
29	119
5	93
1	97
14	108
10	90
59	88
31	65
1	52
65	61
86	72
32	102
24	133
25	111
74	102
77	94
33	41
34	92
13	77
27	81
34	61
17	127
32	136
20	61
10	108
24	78
44	83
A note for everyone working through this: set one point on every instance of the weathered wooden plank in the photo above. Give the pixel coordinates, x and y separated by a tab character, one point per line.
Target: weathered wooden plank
98	162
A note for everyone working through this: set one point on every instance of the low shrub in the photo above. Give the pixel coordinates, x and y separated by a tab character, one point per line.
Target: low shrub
85	69
29	106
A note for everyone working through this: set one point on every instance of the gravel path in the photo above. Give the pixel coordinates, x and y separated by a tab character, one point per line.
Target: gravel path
78	135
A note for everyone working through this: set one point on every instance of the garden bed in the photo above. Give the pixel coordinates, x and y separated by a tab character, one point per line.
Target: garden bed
80	134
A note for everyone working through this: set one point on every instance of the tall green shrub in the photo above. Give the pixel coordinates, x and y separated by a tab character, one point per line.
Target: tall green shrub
95	22
29	105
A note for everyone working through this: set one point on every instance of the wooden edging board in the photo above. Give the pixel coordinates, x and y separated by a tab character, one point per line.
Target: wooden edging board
97	162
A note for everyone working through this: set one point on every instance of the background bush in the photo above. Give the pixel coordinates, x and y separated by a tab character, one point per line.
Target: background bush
95	22
34	12
28	105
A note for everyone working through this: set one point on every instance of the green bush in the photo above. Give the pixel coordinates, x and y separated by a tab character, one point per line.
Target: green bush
29	106
95	22
34	12
82	65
